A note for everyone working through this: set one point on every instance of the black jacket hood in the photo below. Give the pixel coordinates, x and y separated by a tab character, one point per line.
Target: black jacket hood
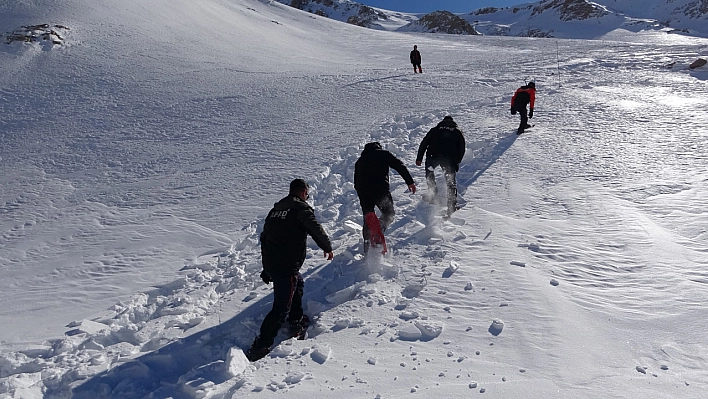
448	122
372	146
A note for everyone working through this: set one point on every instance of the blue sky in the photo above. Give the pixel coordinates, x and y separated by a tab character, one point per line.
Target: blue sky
425	6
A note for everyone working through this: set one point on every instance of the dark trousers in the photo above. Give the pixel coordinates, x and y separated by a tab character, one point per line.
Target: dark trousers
524	118
287	303
384	202
450	172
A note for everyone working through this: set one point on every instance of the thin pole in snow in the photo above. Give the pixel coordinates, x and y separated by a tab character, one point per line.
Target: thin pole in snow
558	62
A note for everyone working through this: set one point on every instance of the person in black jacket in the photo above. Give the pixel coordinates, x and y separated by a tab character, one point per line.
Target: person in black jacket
283	251
443	146
372	185
415	60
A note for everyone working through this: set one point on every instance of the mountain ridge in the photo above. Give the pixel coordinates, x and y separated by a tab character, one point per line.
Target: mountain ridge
546	18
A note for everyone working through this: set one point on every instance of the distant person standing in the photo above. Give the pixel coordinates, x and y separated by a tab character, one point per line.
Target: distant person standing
524	95
415	60
372	186
283	250
443	146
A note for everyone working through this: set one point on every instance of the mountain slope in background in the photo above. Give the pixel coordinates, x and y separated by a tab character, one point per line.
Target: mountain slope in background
354	13
440	22
587	20
548	18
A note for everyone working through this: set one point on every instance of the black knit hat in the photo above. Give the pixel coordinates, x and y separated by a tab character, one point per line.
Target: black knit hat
298	185
447	118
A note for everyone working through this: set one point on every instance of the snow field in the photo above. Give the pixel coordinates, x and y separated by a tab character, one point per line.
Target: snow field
575	268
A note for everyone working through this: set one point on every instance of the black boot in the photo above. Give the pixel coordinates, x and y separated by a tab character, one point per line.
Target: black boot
257	351
299	327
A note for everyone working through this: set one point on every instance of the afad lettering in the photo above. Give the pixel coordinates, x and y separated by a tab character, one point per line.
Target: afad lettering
279	214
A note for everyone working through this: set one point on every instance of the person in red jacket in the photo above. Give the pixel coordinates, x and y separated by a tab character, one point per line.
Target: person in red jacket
524	95
415	60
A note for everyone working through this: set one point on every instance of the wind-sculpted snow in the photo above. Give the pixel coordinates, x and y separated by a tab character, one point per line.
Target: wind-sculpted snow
184	339
139	166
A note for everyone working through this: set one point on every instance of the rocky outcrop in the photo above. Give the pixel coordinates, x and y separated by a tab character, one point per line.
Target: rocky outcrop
346	11
444	22
43	33
696	9
570	10
366	17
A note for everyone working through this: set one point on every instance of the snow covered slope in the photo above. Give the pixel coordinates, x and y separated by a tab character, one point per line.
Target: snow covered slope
141	153
589	19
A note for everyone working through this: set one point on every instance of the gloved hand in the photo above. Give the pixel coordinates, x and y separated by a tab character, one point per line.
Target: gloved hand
513	111
418	163
265	277
531	113
412	188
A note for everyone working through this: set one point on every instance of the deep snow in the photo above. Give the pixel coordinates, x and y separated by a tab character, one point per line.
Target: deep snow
140	157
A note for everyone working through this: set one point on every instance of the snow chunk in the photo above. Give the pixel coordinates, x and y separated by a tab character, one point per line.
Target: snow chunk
451	269
321	354
236	362
352	227
412	290
344	295
86	327
409	315
496	327
281	351
409	332
429	330
295	377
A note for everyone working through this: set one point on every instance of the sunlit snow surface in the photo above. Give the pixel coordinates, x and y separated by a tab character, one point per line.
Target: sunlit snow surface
139	159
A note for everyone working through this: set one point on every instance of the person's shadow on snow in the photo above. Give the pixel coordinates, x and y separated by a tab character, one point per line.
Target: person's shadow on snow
472	169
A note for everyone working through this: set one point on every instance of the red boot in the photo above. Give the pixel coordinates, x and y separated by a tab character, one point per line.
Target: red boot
376	237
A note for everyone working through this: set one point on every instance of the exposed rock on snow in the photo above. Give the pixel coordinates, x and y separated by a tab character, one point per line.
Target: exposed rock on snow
44	33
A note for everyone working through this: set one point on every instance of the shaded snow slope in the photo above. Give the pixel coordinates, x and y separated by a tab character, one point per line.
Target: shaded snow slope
136	174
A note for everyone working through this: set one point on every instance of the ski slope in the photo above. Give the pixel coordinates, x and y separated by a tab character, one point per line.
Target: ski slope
140	157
